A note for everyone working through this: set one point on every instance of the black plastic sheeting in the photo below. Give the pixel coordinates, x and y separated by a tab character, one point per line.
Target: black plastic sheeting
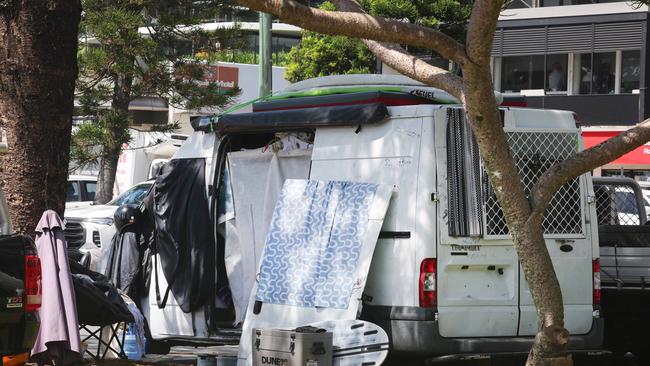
183	239
284	120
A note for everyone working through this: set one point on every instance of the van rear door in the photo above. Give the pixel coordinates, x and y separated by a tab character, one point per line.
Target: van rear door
482	290
478	280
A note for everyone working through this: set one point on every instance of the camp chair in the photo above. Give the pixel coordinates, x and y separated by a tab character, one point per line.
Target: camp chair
100	305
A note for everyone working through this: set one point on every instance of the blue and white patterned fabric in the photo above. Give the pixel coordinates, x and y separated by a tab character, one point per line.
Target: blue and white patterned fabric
313	244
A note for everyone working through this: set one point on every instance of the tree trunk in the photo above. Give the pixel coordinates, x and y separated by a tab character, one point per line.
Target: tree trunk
38	69
526	229
117	123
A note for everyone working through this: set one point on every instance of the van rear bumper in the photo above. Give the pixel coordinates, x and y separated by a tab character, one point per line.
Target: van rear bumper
415	330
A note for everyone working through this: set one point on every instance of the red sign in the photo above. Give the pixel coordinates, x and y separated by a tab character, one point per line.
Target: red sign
638	156
224	76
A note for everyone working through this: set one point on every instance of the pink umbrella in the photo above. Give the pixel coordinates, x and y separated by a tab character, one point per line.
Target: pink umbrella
58	337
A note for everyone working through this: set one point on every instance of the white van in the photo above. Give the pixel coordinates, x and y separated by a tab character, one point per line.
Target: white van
445	278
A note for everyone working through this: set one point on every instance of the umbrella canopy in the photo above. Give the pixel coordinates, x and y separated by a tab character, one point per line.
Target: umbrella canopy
58	336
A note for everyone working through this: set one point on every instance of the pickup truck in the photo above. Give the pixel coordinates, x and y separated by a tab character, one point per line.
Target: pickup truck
20	292
624	239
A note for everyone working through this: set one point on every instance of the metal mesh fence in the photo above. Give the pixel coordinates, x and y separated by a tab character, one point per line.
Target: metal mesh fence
534	153
616	205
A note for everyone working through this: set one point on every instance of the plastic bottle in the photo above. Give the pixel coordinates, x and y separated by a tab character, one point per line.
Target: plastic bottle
133	352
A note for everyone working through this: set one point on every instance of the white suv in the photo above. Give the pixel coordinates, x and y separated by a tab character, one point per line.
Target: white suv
83	224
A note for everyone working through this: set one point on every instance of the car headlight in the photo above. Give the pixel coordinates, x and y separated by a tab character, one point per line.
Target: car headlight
99	220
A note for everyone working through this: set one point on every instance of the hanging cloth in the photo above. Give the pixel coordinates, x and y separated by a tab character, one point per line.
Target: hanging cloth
121	263
184	239
255	179
58	340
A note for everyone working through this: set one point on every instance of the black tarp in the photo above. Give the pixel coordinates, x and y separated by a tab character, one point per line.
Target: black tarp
183	236
284	120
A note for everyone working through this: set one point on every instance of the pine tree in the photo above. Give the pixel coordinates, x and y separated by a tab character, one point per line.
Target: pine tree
136	48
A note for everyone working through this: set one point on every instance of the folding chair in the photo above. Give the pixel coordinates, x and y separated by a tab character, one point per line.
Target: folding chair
100	305
113	330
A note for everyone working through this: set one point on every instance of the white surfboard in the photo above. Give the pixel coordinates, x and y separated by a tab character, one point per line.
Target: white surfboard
356	342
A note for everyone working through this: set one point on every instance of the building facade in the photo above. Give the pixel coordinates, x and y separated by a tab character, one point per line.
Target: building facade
590	58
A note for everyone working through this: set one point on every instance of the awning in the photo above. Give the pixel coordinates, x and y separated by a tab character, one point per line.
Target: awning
352	115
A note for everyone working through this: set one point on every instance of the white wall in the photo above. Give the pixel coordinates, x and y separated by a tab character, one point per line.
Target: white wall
249	80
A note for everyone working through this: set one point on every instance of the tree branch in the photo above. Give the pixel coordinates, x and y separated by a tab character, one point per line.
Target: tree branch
480	31
363	26
406	64
585	161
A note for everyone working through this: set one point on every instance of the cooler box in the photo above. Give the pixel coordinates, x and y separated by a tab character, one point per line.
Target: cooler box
300	347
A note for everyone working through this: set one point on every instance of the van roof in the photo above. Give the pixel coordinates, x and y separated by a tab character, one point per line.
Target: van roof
321	101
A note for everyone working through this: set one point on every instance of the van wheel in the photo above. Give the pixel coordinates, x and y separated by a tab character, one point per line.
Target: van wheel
157	347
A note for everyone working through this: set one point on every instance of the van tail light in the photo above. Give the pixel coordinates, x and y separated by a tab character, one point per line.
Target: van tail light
597	293
428	293
32	283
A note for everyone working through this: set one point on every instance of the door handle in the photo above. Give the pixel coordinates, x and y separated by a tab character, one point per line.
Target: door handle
566	248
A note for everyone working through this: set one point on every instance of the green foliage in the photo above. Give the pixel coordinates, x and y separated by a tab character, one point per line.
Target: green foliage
320	55
448	16
107	127
395	9
242	56
118	63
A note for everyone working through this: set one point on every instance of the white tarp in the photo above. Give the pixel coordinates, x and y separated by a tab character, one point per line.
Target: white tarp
256	178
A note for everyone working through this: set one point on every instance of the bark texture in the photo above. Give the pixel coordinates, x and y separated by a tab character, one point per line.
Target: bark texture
38	69
524	215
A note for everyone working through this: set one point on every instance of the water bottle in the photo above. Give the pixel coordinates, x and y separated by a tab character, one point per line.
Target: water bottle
133	352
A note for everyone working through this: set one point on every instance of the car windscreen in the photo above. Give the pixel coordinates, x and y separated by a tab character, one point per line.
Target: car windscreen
133	195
